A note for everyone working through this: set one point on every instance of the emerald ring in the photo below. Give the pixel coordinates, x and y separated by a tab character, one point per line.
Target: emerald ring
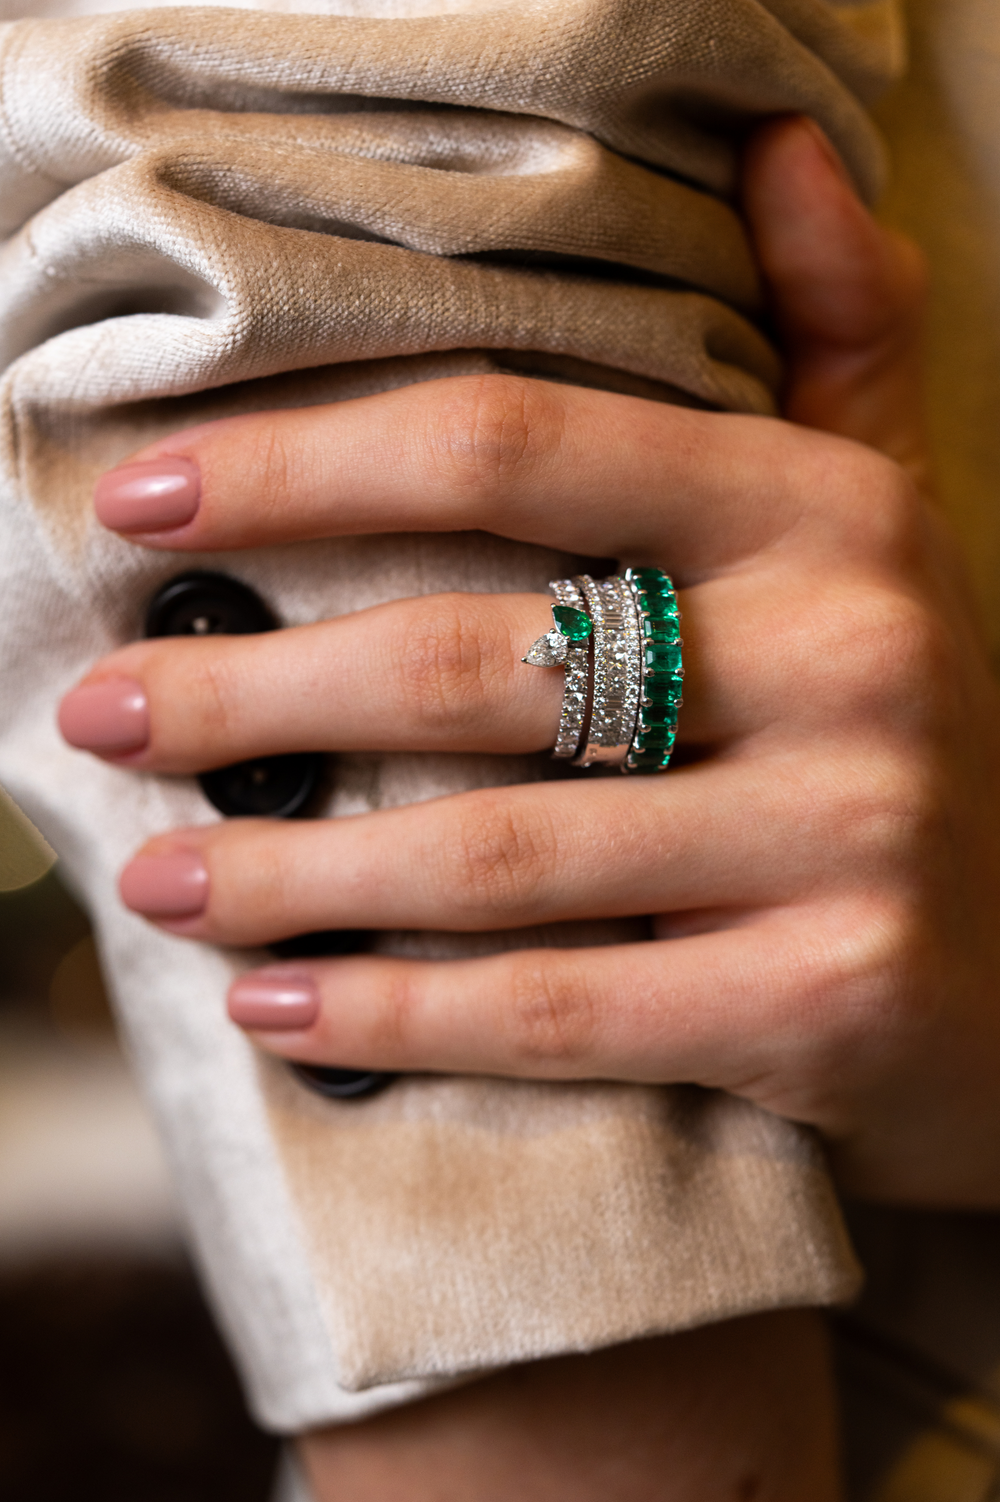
567	645
661	669
618	642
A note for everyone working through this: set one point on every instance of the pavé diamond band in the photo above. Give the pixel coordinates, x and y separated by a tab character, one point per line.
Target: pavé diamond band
619	643
568	644
614	698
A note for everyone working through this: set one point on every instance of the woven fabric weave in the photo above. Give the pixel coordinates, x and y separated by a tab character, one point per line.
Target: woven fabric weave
213	211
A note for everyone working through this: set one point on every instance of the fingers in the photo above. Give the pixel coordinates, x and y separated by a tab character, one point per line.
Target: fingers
715	1009
583	471
725	835
442	673
848	294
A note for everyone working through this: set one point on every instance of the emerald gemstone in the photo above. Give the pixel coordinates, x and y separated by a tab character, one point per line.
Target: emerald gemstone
572	622
661	607
645	761
663	690
660	659
658	737
660	714
660	631
652	579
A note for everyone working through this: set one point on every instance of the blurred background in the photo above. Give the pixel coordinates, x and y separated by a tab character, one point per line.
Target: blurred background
113	1382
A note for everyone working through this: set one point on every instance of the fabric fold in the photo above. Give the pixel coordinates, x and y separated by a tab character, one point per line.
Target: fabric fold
214	211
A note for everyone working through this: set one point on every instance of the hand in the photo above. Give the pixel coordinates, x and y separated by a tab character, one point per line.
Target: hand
738	1412
826	867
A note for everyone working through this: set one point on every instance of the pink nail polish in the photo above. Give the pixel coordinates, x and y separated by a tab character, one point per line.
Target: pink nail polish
155	496
108	716
165	886
274	1000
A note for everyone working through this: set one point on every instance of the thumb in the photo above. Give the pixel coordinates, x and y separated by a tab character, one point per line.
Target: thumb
847	295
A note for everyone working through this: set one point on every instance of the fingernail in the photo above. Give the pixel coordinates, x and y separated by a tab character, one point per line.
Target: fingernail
830	152
165	886
152	497
109	716
274	1000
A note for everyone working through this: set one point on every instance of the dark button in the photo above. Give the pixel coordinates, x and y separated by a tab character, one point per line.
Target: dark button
277	787
320	945
341	1084
203	604
274	787
206	604
336	1084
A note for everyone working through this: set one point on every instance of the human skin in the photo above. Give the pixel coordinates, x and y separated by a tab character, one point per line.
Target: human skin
825	864
736	1412
825	867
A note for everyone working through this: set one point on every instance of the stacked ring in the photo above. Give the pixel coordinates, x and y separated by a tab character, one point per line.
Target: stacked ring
614	697
567	645
573	623
619	643
660	696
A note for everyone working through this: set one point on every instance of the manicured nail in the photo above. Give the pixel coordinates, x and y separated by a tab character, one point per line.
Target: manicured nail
165	886
152	497
274	1000
109	716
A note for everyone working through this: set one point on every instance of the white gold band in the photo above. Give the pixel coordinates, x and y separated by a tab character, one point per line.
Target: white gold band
577	667
617	670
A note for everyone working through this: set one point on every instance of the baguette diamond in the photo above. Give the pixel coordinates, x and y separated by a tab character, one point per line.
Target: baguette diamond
617	674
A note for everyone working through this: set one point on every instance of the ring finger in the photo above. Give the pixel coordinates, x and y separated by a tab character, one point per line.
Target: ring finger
441	673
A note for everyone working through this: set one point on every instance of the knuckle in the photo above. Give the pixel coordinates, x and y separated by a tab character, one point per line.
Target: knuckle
889	817
887	517
272	464
492	433
443	664
390	1024
500	857
889	653
212	705
251	887
551	1015
867	984
864	501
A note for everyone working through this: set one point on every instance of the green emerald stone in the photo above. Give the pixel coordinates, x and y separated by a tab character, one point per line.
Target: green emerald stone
660	631
573	623
661	607
657	737
660	714
663	690
645	761
659	659
652	579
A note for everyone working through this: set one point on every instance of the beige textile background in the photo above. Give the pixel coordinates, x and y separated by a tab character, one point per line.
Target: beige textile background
228	210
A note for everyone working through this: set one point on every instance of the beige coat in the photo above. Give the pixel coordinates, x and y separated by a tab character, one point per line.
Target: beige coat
213	211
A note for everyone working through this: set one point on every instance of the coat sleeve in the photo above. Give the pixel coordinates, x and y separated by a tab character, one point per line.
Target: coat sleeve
211	213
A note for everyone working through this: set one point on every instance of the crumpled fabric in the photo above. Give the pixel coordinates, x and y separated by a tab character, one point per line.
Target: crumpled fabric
213	211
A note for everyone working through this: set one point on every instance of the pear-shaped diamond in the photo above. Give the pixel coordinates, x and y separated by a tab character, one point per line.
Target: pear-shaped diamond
549	651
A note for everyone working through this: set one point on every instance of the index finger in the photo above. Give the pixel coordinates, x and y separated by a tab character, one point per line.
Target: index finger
583	471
